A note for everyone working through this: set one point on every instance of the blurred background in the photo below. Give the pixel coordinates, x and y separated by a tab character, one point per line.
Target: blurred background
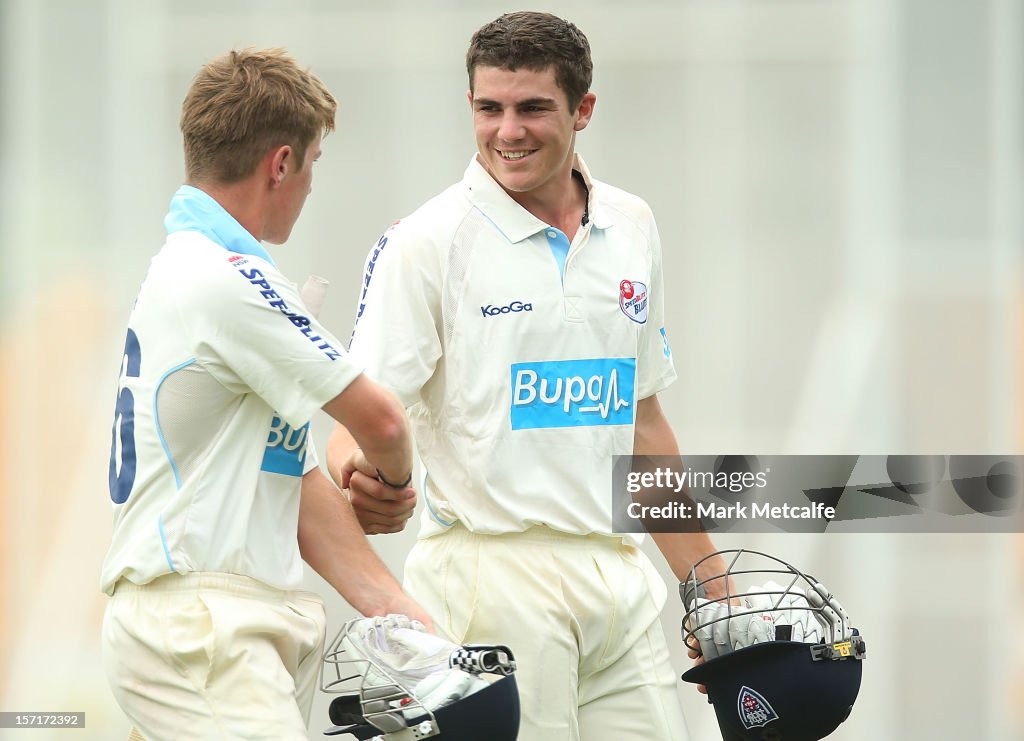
839	187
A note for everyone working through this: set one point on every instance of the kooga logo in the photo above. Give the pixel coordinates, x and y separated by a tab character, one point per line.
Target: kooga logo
572	393
513	308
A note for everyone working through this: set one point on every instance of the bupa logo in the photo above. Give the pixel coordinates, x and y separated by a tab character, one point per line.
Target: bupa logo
754	710
286	448
513	308
572	393
633	300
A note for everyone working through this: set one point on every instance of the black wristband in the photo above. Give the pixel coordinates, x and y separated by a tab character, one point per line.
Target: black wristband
380	478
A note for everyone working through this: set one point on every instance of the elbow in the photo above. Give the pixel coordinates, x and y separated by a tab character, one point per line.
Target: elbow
389	428
392	428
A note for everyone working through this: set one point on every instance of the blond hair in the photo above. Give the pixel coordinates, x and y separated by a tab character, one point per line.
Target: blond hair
245	103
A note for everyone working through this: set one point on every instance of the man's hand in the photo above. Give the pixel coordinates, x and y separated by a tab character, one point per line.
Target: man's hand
403	604
714	581
378	507
697	661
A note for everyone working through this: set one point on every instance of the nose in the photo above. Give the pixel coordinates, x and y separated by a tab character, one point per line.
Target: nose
511	128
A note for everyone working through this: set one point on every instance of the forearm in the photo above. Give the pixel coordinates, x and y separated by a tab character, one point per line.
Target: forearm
653	436
340	447
392	458
332	542
682	551
375	421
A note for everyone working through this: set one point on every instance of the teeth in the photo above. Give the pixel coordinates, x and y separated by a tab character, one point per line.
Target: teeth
513	155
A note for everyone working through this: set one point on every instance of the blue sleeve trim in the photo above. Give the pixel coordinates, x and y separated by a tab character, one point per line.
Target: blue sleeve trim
163	542
156	419
430	507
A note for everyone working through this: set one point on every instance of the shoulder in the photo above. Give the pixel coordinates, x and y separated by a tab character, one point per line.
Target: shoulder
624	205
438	218
190	263
429	230
203	276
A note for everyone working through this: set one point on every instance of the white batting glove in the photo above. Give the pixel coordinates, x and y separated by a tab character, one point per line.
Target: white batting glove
770	607
443	688
753	627
713	637
795	611
763	611
833	617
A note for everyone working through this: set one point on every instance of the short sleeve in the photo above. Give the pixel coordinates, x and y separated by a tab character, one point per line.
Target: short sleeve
252	332
397	332
657	370
311	461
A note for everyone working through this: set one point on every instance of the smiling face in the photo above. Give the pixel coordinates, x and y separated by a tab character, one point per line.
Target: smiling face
526	129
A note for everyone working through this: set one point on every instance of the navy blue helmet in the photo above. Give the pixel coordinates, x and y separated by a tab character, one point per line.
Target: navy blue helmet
781	660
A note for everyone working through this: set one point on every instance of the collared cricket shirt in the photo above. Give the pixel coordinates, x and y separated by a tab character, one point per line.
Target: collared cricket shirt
222	369
520	355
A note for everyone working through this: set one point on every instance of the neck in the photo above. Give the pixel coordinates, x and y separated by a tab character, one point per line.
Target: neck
243	200
559	202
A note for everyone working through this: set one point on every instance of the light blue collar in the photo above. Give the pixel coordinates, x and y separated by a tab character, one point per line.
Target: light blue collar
193	210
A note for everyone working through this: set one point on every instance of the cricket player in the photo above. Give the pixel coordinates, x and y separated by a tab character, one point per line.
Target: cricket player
519	317
215	485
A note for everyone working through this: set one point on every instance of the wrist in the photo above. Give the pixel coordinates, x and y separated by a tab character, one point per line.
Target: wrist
392	484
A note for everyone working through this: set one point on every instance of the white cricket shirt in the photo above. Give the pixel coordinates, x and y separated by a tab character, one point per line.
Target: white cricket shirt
222	370
519	355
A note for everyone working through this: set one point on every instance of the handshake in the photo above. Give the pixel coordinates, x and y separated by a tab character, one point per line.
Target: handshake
770	612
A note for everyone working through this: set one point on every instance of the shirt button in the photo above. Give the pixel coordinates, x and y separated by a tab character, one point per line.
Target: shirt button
552	235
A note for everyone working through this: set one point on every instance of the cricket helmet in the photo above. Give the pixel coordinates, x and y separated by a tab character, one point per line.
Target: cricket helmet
398	683
782	662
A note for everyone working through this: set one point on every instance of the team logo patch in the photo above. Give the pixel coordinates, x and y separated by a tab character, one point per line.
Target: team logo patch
753	709
572	393
633	300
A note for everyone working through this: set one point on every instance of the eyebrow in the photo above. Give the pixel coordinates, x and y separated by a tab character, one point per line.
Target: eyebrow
521	103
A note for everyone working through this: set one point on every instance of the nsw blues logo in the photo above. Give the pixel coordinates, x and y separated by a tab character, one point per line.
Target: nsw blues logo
286	448
754	710
572	393
633	300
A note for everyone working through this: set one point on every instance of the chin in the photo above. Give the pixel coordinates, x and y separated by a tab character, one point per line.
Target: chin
517	183
277	237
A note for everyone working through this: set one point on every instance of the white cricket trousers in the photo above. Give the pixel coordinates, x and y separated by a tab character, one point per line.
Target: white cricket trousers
213	656
580	613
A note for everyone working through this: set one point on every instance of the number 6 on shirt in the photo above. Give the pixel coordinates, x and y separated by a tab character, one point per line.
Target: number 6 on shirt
121	476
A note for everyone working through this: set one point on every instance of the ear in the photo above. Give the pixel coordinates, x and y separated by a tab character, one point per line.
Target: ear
280	162
584	111
469	97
